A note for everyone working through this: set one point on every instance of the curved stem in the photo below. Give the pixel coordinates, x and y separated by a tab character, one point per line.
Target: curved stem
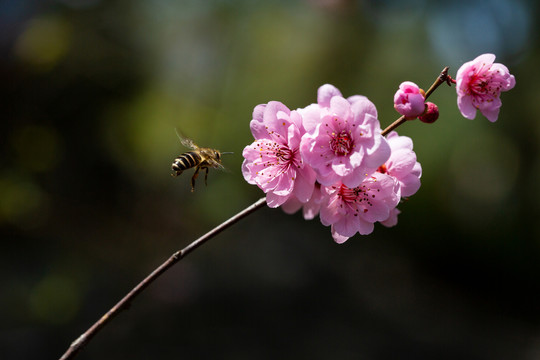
394	125
442	78
82	340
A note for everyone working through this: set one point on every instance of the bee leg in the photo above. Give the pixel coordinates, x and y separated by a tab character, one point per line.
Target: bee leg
206	177
193	179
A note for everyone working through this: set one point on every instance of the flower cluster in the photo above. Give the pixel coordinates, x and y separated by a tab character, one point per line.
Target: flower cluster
331	158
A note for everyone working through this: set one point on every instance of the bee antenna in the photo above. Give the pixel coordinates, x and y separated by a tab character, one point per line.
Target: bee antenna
177	134
228	152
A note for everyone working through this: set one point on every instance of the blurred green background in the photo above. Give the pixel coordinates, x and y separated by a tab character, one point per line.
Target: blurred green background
92	92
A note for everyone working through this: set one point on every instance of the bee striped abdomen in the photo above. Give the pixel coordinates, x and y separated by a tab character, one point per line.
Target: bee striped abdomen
186	161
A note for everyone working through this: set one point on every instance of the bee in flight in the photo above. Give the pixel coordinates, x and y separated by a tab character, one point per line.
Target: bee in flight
199	158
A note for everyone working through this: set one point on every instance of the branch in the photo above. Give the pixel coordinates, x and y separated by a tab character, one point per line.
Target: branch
82	340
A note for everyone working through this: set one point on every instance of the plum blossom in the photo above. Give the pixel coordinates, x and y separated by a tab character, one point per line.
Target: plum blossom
409	100
402	164
479	84
273	161
403	167
343	138
355	210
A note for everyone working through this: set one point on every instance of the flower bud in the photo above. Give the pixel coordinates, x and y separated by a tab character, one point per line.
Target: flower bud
409	100
431	114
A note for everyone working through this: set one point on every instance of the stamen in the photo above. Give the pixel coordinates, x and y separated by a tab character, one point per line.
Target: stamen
341	144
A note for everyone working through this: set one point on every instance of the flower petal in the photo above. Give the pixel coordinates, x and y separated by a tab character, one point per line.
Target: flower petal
292	205
326	93
338	238
311	117
362	107
274	201
340	107
466	107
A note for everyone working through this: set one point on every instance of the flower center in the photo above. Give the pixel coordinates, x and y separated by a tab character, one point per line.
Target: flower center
349	195
284	154
382	169
341	143
276	159
480	84
358	199
485	84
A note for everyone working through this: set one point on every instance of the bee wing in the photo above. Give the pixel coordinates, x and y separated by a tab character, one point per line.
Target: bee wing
215	164
186	142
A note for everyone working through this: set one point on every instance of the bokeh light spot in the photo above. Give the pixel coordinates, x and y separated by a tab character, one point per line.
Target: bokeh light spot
55	299
44	42
461	30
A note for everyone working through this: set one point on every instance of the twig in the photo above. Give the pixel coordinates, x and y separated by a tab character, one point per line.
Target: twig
82	340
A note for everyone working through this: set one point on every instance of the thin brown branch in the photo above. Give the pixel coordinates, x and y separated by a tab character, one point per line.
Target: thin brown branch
394	125
82	340
442	78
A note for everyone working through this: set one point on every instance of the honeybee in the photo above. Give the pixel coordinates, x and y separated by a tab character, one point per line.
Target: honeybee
199	158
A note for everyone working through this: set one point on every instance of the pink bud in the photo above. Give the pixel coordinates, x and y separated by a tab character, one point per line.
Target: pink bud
409	100
431	114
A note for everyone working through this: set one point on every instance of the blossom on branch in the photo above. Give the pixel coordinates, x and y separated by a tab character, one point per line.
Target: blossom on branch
355	210
479	84
343	138
402	164
404	168
273	161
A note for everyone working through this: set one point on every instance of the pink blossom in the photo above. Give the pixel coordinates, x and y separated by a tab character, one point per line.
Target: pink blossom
343	138
273	161
479	84
355	210
402	164
409	100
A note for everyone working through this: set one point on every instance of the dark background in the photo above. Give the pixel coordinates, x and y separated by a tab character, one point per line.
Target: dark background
91	94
